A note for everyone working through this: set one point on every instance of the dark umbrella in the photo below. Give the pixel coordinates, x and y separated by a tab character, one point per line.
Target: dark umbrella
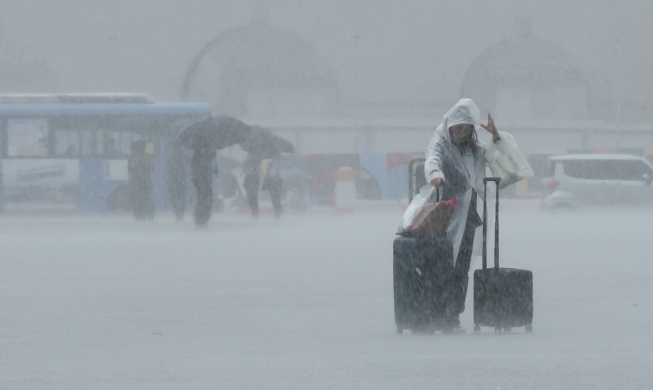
263	144
216	132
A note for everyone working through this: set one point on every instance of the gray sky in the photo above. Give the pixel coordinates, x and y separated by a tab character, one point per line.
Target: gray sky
414	51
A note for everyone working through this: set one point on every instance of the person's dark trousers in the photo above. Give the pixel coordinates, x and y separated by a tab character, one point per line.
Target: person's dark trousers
204	202
463	262
251	183
275	186
178	202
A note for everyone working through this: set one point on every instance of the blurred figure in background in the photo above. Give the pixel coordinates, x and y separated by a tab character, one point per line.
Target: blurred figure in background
259	145
140	167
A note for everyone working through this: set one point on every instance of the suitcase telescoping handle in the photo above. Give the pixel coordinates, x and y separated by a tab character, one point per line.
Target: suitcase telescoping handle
496	223
438	193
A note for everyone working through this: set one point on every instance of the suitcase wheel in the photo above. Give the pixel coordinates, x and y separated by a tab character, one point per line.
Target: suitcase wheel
400	331
477	329
529	328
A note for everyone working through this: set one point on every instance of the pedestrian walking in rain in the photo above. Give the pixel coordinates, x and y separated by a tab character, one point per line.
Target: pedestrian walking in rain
456	160
204	138
260	144
139	181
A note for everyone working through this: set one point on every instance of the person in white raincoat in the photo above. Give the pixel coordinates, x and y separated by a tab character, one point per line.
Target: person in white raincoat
455	159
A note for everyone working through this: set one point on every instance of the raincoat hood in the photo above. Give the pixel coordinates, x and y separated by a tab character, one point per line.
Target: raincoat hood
463	112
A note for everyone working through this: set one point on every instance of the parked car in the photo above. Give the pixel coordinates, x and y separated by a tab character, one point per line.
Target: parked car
579	179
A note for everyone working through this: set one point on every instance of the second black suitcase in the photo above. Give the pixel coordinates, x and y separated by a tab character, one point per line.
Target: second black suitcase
422	270
503	297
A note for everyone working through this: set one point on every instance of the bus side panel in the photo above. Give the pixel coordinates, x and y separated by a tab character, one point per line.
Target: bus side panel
40	184
97	180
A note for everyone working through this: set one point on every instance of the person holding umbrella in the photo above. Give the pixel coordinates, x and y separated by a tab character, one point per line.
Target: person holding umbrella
204	138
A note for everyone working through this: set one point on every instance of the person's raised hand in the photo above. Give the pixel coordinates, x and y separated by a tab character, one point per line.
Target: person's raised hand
437	182
491	128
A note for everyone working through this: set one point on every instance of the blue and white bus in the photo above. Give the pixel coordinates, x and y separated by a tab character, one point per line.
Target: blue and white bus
69	152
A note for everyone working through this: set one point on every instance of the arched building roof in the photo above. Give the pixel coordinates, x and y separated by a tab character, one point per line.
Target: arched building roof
257	62
525	63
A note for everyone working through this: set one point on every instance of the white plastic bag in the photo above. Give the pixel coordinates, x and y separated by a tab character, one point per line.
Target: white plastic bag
427	194
506	161
426	216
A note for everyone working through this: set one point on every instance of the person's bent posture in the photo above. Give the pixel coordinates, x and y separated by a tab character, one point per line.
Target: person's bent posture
455	159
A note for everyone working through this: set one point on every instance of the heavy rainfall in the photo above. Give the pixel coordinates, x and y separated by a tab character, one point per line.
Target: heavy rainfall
294	194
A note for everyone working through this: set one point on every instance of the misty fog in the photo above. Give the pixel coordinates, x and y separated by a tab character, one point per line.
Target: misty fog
91	298
411	54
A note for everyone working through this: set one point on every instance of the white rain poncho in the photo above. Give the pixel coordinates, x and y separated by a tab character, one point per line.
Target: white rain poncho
467	171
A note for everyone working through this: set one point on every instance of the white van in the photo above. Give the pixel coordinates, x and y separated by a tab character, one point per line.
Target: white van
578	179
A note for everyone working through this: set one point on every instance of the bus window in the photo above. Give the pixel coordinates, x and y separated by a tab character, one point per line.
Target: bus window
118	143
88	144
109	145
66	142
27	138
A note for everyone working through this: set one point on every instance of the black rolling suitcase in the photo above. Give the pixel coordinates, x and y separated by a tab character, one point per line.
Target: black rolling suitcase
503	297
422	269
